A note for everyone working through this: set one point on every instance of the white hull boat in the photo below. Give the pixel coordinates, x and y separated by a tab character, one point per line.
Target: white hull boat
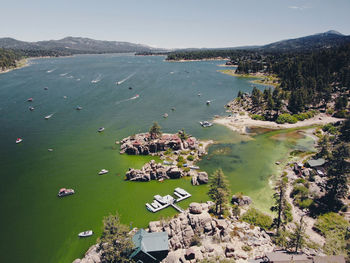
87	233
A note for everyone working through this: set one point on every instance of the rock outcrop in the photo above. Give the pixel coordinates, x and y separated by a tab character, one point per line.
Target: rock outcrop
195	234
241	200
143	144
91	256
157	171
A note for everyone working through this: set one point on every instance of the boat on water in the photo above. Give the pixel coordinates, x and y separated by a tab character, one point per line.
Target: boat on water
30	99
64	97
103	171
86	233
79	108
199	94
101	129
19	140
205	124
46	88
119	82
48	116
64	192
173	109
194	167
208	102
165	115
31	108
130	88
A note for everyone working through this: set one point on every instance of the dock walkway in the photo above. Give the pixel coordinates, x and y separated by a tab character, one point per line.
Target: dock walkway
161	202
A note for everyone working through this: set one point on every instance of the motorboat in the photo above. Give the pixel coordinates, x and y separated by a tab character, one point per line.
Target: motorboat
199	94
87	233
46	88
165	115
30	99
50	150
31	108
19	140
103	171
208	102
130	88
64	192
64	97
101	129
194	167
79	108
205	124
173	109
48	116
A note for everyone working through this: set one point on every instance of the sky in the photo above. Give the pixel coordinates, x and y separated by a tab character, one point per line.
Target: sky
173	23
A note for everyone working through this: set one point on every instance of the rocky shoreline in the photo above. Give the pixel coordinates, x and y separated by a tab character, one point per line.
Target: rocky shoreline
179	153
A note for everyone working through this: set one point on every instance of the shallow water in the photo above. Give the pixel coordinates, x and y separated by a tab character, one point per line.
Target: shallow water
35	225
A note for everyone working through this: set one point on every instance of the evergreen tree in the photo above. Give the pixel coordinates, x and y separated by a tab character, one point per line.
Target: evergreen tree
338	172
155	131
219	191
281	204
256	97
297	238
115	243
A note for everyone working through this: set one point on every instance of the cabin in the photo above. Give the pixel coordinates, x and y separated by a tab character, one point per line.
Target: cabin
318	163
150	247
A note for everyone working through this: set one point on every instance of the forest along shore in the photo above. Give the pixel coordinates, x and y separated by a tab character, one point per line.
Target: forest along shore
19	64
242	122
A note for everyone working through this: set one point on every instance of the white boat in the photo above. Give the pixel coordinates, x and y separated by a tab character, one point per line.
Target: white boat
64	192
48	116
194	167
119	82
208	102
165	115
103	171
101	129
86	233
31	108
30	99
206	124
79	108
19	140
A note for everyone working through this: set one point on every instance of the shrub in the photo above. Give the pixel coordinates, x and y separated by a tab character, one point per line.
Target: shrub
331	222
299	190
187	169
246	248
168	151
236	211
190	158
329	128
330	111
258	117
196	240
180	159
180	164
257	218
286	118
341	114
306	203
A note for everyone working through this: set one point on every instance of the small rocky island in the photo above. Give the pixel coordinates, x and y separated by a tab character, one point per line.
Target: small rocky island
179	152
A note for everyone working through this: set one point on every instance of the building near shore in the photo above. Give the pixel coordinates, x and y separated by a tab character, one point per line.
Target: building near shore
150	247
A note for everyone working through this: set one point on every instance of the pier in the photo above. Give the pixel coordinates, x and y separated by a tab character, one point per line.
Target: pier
161	202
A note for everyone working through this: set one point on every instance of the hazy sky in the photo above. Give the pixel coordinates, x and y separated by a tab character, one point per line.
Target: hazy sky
176	23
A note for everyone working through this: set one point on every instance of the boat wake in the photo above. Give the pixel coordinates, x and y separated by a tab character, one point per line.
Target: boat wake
51	70
97	79
63	74
132	98
122	81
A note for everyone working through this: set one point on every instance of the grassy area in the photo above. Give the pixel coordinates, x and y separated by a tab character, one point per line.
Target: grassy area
270	80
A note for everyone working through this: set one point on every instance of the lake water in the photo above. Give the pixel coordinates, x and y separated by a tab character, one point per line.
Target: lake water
35	225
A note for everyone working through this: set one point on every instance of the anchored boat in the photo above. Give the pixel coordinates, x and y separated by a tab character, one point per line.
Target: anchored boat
86	233
64	192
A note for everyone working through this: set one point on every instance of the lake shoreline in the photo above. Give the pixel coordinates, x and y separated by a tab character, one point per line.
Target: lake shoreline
241	123
19	64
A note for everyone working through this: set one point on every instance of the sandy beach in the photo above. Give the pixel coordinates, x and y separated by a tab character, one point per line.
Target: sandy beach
240	123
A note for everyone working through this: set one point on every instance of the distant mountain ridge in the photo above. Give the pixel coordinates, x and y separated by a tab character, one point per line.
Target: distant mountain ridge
321	40
75	45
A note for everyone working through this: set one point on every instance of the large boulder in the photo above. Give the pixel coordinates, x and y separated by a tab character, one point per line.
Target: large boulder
202	178
174	172
195	208
241	200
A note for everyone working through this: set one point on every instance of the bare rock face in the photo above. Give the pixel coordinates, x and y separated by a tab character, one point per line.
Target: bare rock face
174	173
241	200
91	256
195	208
199	178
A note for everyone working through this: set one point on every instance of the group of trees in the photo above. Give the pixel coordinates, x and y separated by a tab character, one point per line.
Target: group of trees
8	58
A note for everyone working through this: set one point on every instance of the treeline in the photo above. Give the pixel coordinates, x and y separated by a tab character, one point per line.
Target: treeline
206	54
8	58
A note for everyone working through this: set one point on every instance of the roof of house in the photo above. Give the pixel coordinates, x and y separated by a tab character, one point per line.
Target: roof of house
149	242
329	259
318	162
282	257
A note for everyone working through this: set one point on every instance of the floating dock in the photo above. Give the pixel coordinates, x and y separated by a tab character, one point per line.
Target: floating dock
161	202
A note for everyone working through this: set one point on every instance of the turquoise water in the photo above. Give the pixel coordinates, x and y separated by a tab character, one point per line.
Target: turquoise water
35	225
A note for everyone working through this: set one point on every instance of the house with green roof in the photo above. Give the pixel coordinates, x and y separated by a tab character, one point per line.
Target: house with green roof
150	247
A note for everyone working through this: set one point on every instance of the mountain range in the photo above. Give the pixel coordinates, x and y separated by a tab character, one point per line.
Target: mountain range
79	45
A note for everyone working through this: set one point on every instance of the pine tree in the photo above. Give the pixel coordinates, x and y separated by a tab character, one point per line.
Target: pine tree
155	131
297	238
219	191
115	242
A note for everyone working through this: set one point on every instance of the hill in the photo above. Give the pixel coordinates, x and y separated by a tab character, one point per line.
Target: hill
73	45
